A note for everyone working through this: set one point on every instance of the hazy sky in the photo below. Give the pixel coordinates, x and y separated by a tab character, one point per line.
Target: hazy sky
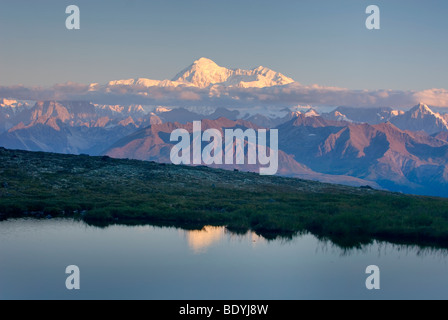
323	42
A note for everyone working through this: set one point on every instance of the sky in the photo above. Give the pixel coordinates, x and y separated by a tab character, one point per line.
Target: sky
311	41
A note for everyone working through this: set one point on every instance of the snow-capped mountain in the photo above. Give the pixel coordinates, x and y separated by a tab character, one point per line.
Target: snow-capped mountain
401	159
421	118
71	126
9	109
204	73
145	83
445	116
133	110
310	113
362	115
276	119
15	104
337	116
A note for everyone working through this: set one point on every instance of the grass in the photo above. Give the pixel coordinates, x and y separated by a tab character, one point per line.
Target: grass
104	191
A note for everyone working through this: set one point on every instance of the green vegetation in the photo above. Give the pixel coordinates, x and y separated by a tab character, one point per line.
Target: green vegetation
104	191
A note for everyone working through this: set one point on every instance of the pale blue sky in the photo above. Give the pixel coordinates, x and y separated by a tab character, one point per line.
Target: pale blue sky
312	41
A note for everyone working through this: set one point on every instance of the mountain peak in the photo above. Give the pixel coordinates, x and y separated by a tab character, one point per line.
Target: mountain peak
204	73
422	108
421	118
261	69
205	62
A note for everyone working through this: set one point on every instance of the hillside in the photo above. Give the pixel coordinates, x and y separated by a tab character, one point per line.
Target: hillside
153	144
105	191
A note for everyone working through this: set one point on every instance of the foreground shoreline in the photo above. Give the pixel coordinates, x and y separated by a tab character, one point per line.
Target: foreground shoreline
104	191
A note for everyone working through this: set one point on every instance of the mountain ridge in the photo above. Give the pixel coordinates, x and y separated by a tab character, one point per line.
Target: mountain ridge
391	155
152	144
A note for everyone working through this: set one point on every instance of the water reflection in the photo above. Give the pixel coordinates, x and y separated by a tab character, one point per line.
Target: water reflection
381	248
154	262
200	240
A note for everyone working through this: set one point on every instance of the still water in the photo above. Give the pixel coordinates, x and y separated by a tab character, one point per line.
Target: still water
122	262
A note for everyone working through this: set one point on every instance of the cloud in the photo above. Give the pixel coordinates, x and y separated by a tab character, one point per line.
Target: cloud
24	93
218	96
433	97
191	96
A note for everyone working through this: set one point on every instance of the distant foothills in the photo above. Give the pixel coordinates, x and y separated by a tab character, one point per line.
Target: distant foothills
384	148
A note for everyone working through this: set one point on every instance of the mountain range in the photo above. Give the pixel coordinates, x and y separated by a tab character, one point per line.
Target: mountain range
153	144
407	153
399	150
406	161
363	115
421	118
204	73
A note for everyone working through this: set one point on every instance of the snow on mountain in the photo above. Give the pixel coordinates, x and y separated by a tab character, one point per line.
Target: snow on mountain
421	118
15	106
204	110
7	103
272	112
184	115
261	120
134	109
307	111
146	83
275	117
265	121
15	103
311	113
427	110
162	109
445	116
395	113
362	115
336	115
204	73
398	160
72	126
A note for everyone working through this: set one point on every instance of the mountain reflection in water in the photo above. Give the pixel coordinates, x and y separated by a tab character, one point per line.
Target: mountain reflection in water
200	240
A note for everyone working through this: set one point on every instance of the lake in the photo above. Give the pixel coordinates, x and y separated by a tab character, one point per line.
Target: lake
146	262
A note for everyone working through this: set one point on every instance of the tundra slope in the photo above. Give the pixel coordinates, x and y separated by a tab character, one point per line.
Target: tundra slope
105	191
